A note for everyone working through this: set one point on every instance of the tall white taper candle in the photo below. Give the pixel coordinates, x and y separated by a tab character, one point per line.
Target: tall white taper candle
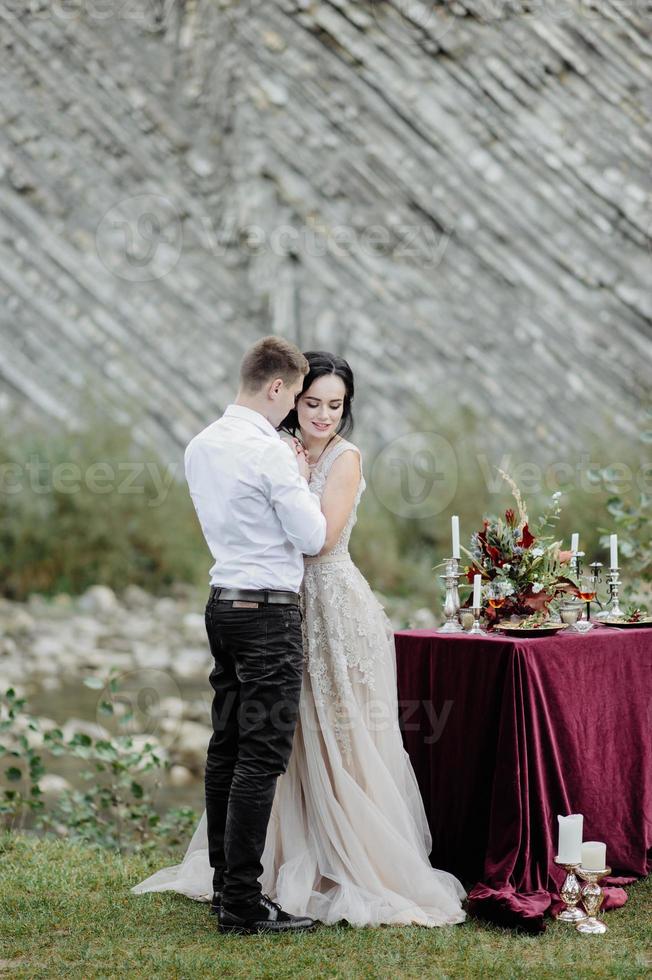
613	543
477	585
455	528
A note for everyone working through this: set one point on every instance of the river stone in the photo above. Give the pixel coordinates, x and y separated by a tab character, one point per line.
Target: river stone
98	599
136	598
53	785
180	776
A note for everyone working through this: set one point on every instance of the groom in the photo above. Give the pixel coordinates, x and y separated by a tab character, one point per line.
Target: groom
259	517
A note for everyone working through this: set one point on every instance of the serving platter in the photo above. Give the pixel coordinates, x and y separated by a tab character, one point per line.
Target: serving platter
623	624
548	630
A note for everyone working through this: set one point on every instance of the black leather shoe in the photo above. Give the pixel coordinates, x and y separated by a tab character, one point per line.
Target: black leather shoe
216	903
268	917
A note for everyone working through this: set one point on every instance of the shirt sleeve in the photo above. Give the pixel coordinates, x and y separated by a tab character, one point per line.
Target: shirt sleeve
297	508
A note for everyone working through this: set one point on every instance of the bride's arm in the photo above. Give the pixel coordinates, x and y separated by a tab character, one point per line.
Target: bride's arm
339	495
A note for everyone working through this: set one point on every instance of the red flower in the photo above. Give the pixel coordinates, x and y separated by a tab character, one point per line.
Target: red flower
527	539
491	615
509	517
490	550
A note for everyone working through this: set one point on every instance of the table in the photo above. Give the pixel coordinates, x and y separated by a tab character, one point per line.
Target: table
505	733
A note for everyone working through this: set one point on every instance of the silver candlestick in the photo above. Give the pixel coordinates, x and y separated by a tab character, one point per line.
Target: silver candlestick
576	563
476	629
592	898
613	582
570	893
452	600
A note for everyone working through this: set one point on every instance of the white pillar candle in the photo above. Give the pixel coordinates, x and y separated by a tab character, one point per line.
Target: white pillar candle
594	855
575	542
569	850
455	527
477	585
613	542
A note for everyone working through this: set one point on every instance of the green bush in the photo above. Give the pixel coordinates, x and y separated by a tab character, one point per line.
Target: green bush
144	530
115	806
629	505
93	507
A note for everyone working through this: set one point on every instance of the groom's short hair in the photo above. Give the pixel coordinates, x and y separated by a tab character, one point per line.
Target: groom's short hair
271	357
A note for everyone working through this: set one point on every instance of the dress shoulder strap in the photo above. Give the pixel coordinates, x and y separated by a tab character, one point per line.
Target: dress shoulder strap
336	450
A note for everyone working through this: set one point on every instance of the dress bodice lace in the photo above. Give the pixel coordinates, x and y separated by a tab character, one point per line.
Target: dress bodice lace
345	628
318	476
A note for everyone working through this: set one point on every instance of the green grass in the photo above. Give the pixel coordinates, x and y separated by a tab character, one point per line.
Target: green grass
67	911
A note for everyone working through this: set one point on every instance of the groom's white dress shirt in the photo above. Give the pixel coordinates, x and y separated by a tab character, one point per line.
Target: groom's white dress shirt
255	508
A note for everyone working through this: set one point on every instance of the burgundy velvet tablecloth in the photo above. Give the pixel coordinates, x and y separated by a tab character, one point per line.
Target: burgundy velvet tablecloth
505	733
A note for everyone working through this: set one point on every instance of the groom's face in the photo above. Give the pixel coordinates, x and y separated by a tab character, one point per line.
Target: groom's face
286	397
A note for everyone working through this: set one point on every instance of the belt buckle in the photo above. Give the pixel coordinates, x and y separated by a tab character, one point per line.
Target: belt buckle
244	604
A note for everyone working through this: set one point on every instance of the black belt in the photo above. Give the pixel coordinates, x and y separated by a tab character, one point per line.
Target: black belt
271	596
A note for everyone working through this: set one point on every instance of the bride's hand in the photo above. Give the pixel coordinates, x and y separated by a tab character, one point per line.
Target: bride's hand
299	448
302	459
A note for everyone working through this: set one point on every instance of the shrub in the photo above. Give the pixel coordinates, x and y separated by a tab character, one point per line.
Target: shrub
115	809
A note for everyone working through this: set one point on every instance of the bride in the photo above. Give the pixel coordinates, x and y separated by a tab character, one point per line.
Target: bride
348	836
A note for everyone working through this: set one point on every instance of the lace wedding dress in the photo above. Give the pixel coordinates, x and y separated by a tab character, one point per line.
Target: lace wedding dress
348	836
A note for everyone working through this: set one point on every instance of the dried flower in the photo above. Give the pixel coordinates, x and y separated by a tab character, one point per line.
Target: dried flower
516	493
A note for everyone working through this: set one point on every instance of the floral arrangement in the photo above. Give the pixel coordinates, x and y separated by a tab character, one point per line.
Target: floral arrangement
635	614
521	566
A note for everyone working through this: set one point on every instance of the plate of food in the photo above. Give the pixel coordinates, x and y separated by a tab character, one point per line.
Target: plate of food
532	626
626	624
632	618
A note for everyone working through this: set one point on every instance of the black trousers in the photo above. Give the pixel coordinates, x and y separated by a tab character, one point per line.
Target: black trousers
256	679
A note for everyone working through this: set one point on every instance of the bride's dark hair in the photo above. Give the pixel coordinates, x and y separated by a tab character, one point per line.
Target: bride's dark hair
322	362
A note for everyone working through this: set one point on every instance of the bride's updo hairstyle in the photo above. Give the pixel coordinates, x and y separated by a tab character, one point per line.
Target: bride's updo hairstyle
322	362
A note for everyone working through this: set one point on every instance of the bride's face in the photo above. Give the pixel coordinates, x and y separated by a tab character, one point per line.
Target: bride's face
320	407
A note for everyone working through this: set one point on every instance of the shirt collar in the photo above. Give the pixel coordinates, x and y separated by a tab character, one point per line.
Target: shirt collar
242	412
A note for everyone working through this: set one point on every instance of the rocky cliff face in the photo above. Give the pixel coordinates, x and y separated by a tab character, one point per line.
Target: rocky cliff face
456	196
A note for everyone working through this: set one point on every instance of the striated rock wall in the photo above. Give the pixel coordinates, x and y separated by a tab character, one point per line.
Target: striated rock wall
456	196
